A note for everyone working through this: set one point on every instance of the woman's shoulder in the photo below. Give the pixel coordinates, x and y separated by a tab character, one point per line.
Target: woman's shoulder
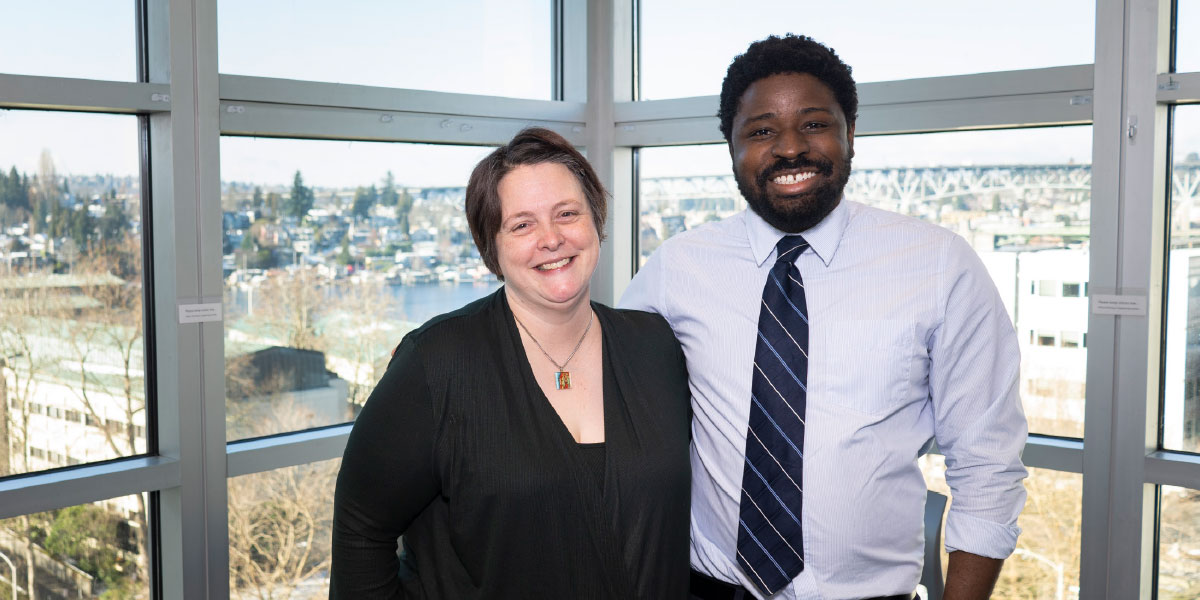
454	329
636	324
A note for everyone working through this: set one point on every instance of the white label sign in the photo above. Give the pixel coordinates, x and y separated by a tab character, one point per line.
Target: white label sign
199	313
1118	304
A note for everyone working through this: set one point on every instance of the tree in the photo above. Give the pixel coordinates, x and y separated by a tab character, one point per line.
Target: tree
344	258
257	202
280	525
301	199
404	205
364	199
114	224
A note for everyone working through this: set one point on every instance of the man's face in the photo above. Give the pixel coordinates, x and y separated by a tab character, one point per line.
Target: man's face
791	150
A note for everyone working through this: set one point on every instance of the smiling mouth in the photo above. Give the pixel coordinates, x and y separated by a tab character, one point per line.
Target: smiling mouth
558	264
793	178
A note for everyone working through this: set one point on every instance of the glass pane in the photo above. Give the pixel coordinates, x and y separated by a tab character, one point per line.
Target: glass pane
493	47
71	347
280	532
1045	563
1179	544
1021	198
1181	385
942	37
682	187
88	39
1187	51
320	290
97	550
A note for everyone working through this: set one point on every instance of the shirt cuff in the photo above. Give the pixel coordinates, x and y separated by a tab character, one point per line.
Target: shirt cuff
978	536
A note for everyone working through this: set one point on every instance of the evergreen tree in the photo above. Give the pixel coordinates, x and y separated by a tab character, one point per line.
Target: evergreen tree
302	198
343	257
257	202
114	222
82	227
404	206
364	199
389	197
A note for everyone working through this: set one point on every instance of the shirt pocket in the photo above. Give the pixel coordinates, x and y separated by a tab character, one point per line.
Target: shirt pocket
864	364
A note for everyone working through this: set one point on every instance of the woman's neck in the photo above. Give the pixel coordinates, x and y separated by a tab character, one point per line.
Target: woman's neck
557	326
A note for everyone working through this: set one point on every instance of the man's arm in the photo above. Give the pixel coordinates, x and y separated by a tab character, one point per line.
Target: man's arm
970	576
978	421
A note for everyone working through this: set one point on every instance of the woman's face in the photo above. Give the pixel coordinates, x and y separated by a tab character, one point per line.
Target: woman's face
547	246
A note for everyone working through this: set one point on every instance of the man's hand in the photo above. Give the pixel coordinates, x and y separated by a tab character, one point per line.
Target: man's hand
970	576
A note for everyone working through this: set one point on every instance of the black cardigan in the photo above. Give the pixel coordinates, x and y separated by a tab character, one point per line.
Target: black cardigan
458	450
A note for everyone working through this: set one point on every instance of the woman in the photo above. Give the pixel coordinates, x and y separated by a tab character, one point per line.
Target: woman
532	444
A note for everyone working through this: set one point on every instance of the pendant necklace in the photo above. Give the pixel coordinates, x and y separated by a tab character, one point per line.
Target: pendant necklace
562	377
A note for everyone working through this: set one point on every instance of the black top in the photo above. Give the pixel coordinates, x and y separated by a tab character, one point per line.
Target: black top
458	450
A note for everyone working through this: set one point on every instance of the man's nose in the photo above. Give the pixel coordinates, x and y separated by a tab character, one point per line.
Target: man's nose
790	143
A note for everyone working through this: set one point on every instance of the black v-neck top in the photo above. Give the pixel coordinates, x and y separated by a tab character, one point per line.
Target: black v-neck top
458	450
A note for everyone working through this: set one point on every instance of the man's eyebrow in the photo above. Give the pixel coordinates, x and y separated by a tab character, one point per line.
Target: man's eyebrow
770	115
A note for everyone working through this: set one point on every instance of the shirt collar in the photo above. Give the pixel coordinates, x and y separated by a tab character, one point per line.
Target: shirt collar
823	237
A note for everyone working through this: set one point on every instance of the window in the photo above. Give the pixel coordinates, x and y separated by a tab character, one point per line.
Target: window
1046	561
1183	286
1187	51
493	47
1071	290
681	187
333	251
90	40
1022	199
1179	544
953	38
280	525
86	551
71	322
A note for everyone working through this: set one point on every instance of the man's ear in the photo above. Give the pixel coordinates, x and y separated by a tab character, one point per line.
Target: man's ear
850	139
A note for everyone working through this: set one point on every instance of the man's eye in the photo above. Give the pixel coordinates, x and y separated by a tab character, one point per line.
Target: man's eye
760	132
816	125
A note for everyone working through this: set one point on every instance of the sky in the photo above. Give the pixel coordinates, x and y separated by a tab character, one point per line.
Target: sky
501	47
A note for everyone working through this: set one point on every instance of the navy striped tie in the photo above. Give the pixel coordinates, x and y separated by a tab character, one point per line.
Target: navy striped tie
770	543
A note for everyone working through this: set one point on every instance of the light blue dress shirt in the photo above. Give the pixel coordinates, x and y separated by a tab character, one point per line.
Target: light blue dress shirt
909	342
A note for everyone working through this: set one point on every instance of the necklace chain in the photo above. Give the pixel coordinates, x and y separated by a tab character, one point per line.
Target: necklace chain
578	344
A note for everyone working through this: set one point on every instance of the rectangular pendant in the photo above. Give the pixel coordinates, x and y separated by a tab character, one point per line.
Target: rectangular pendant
562	380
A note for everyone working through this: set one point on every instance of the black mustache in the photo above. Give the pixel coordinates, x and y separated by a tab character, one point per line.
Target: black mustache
823	167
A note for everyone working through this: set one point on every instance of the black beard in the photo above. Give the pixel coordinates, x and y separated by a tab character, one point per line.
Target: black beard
799	212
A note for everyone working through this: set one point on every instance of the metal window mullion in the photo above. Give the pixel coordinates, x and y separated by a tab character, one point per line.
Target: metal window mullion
91	483
193	521
1176	88
314	122
268	90
64	93
267	454
1127	237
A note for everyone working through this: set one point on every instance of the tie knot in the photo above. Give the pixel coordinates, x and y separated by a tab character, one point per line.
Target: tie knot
789	248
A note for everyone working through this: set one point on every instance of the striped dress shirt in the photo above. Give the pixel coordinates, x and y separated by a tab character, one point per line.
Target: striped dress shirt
909	343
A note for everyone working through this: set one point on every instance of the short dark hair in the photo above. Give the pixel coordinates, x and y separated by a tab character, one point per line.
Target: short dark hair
787	54
532	146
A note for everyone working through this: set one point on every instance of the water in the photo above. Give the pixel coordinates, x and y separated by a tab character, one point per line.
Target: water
413	303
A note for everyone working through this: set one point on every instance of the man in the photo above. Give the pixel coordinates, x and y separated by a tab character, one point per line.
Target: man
822	365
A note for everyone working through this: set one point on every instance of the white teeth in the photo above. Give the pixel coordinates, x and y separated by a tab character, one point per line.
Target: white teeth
790	179
554	265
